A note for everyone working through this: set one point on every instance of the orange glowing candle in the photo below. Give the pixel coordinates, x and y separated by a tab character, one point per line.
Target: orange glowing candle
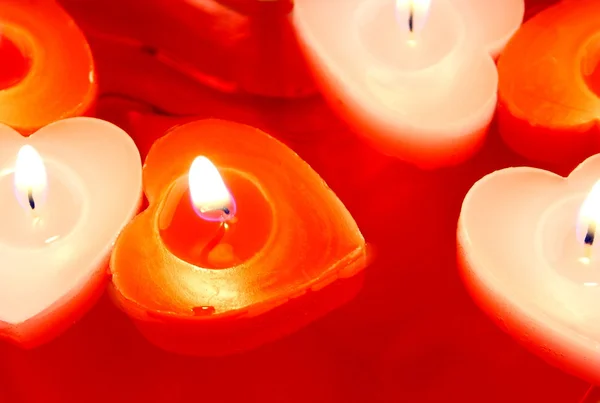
46	68
242	243
549	89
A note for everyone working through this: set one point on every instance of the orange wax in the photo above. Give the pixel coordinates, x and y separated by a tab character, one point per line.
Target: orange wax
291	254
549	88
46	69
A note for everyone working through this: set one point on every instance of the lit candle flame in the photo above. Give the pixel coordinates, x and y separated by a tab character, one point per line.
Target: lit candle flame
412	15
31	182
587	222
211	199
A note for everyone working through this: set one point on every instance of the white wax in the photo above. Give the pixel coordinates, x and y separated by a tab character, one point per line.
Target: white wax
426	97
94	189
524	261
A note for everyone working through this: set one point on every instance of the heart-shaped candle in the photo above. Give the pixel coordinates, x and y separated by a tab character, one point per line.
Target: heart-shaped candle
232	255
549	101
46	66
66	192
531	258
415	77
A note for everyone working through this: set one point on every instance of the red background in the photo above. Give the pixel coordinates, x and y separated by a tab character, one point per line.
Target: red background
412	335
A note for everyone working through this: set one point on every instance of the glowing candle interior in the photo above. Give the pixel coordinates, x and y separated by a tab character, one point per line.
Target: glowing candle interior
587	222
412	17
31	181
210	197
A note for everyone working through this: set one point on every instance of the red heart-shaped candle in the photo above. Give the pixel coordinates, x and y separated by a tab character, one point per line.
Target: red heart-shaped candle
198	286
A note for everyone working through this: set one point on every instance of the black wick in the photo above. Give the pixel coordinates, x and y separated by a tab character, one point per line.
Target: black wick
226	210
411	16
30	198
590	235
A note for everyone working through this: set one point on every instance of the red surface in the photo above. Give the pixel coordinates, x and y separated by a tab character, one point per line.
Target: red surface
14	66
592	396
549	100
237	46
411	335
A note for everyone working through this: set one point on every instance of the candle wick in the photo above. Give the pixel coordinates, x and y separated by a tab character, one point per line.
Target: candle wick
590	235
223	227
411	17
30	198
588	241
226	210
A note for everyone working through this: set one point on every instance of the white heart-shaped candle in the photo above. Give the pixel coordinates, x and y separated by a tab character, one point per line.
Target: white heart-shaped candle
65	194
415	77
530	256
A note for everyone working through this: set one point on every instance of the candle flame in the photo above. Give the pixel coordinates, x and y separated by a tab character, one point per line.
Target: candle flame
211	199
412	16
31	182
588	220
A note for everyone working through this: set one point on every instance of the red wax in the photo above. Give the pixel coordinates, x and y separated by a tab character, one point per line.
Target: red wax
549	101
14	65
49	70
292	253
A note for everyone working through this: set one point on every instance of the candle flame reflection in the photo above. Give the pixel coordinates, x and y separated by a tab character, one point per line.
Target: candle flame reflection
30	179
211	199
412	16
587	222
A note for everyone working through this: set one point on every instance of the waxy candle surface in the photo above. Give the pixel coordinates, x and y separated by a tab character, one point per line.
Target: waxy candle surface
549	101
290	234
47	70
66	192
522	238
426	95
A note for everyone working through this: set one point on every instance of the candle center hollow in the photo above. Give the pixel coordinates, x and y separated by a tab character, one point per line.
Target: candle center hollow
216	245
590	65
390	43
14	64
49	222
